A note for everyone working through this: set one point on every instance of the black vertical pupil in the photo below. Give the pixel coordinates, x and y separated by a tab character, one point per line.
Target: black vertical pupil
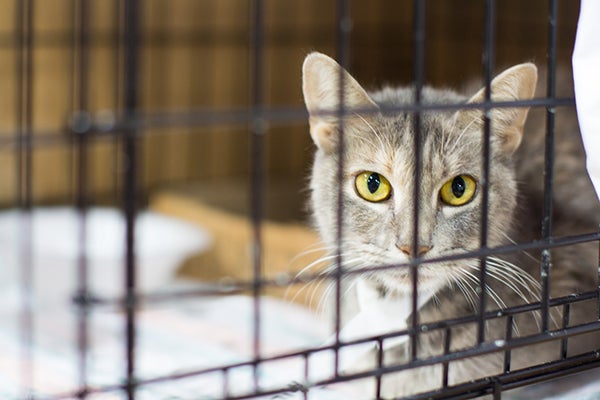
373	182
458	186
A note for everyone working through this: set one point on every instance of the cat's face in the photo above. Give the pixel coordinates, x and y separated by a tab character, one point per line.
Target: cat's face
379	179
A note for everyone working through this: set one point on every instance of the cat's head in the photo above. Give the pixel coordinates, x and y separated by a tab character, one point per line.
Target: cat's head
378	176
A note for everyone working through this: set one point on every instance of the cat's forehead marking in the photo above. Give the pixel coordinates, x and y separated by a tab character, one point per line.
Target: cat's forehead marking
402	155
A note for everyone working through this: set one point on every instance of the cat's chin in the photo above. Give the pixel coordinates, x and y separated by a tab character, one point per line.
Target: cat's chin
401	284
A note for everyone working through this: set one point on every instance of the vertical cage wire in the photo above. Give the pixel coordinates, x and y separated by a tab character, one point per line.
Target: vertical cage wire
418	82
80	129
378	377
118	54
565	323
508	338
446	364
343	30
24	33
258	131
488	66
548	164
131	70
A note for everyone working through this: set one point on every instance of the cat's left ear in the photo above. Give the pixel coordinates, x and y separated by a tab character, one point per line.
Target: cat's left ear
321	87
516	83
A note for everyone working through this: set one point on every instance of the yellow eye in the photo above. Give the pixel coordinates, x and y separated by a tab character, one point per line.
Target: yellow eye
373	187
458	190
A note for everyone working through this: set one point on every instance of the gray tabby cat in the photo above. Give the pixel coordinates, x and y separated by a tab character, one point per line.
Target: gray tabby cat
377	225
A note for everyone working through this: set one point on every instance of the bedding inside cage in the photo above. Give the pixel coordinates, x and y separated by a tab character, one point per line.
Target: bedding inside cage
221	207
50	238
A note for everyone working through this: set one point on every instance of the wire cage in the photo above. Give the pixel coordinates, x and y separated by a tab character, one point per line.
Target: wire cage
107	103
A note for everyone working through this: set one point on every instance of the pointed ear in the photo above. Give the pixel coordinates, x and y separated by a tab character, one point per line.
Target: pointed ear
516	83
321	88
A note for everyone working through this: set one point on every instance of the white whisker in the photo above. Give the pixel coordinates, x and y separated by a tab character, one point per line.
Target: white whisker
463	286
377	134
513	277
493	295
459	137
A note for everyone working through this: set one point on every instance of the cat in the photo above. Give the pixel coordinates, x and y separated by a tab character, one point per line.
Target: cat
377	189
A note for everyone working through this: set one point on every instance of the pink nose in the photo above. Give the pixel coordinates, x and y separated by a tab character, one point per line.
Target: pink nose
408	250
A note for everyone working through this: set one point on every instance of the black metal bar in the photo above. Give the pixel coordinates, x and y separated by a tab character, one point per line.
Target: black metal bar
205	117
26	106
342	49
546	262
565	323
544	372
485	348
445	364
24	32
80	124
451	356
418	81
131	15
497	389
488	65
236	287
258	130
118	54
199	35
226	383
468	390
379	366
508	338
306	374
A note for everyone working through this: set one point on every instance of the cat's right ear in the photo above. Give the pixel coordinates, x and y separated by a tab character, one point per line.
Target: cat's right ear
514	84
321	87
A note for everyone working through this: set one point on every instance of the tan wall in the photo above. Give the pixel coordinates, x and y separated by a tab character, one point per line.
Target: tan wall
195	55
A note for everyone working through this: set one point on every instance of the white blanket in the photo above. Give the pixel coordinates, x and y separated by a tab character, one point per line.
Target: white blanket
174	337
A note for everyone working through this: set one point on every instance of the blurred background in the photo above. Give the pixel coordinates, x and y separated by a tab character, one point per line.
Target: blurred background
195	62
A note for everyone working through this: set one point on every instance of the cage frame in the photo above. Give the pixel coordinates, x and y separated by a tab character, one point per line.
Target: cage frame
129	128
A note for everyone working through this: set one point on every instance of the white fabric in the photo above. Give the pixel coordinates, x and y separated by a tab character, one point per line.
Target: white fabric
183	334
586	74
194	334
377	316
53	244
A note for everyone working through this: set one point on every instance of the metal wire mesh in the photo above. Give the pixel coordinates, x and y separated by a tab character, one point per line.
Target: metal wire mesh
130	127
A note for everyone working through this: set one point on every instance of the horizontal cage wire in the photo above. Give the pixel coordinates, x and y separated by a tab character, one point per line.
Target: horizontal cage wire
159	238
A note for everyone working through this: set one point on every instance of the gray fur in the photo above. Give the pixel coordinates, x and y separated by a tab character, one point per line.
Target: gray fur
451	145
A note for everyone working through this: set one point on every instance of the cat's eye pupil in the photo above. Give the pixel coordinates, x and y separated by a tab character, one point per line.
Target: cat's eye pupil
458	186
373	182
